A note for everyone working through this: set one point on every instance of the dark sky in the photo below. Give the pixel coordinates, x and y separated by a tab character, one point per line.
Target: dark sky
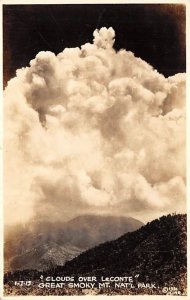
154	32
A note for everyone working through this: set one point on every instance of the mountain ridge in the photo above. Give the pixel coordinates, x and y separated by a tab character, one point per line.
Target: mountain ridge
47	244
159	245
153	255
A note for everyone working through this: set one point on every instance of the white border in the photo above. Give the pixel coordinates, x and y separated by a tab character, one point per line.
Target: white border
187	136
185	2
44	2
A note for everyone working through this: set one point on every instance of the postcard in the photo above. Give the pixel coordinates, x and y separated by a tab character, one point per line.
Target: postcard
94	195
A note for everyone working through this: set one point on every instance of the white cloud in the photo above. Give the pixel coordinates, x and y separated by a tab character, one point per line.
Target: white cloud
91	129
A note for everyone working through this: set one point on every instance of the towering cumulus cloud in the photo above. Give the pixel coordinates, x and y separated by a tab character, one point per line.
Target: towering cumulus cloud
93	130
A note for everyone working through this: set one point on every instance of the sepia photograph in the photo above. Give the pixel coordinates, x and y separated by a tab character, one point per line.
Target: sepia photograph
94	149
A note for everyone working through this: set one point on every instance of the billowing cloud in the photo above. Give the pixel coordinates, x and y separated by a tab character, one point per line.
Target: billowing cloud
93	130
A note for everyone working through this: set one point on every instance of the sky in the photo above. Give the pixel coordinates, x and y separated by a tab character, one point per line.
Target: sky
156	33
95	118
